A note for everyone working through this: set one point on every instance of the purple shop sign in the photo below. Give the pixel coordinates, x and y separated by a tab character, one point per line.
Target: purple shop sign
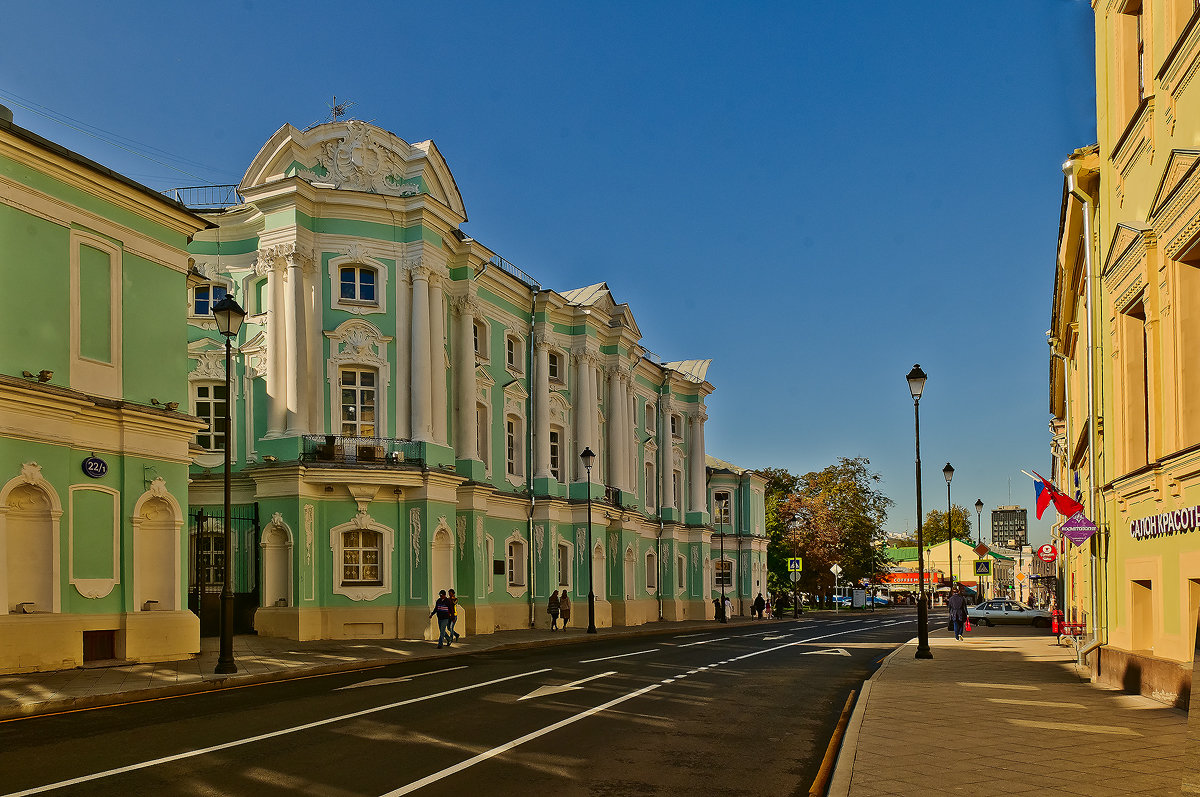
1078	529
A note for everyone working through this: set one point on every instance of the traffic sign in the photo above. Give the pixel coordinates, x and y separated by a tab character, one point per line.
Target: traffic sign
795	575
795	564
1020	578
836	570
983	567
1047	553
981	549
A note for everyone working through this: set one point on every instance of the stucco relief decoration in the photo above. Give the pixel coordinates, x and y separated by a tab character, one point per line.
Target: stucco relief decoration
158	488
695	556
580	542
309	524
461	526
274	257
539	539
210	365
359	161
612	545
479	534
31	473
414	535
362	520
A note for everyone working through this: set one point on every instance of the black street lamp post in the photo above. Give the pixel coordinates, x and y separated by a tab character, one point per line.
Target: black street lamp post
979	523
229	316
948	472
724	504
588	456
916	383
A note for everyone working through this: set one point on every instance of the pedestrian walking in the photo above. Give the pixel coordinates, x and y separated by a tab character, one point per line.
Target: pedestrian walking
728	607
759	605
453	613
553	607
442	608
957	604
564	607
717	608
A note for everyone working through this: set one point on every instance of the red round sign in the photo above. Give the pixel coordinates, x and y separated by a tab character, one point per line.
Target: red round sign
1047	553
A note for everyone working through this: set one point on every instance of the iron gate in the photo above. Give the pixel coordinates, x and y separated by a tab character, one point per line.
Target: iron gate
206	566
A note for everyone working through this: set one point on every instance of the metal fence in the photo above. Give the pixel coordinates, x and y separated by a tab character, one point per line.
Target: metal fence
206	197
378	452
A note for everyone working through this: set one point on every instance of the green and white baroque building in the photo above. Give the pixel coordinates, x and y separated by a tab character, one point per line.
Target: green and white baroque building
408	413
410	409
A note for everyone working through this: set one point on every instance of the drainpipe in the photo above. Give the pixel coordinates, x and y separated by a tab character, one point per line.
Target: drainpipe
529	452
1071	170
532	600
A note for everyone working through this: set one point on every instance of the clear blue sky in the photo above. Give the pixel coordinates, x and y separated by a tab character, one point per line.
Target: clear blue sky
814	194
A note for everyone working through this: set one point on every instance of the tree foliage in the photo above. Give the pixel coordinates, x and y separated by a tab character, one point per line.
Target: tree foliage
934	532
831	516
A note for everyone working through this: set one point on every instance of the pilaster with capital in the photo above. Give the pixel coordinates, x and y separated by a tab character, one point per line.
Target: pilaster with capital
437	356
466	435
616	437
421	389
269	261
299	265
579	401
667	456
541	404
697	499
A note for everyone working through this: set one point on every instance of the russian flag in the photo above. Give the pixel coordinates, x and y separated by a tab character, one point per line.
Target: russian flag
1045	494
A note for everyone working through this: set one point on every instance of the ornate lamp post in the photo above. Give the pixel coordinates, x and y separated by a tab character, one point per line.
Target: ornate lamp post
948	472
229	316
916	384
724	504
589	457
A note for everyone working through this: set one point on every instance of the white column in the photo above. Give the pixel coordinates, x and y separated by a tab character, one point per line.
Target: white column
592	370
276	344
297	347
697	502
579	408
667	458
633	438
312	344
421	389
466	437
437	357
541	408
615	415
404	297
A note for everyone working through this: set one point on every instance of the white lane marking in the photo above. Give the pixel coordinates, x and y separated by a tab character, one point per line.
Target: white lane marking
620	655
504	748
706	641
542	691
689	636
401	679
826	652
777	636
262	736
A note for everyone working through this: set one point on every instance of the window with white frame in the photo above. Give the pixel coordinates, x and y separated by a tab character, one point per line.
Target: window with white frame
651	571
489	546
651	502
513	358
723	573
513	445
516	563
204	297
479	339
649	417
358	401
357	283
676	426
208	404
556	372
564	565
361	558
721	511
677	488
556	453
681	572
483	431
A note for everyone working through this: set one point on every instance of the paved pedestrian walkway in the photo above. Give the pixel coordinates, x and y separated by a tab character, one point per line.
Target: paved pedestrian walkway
1005	712
263	659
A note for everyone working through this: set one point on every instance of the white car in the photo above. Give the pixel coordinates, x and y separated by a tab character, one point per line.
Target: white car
1003	610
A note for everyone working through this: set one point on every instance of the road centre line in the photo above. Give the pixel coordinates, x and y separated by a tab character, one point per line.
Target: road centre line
689	636
706	641
504	748
271	735
620	655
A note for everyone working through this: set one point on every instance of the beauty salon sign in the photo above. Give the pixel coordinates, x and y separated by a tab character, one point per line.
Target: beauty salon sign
1166	524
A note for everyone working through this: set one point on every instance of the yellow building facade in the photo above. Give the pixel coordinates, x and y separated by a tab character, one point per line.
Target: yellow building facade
1125	351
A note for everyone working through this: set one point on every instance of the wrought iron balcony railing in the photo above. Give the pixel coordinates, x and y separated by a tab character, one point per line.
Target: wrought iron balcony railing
206	197
360	451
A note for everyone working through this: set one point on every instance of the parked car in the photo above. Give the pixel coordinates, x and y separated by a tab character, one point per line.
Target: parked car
1002	610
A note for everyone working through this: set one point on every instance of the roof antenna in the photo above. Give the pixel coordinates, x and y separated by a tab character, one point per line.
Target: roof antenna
338	109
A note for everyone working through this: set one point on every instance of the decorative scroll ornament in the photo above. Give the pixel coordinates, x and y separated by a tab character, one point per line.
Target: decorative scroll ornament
612	545
277	520
479	533
695	557
539	539
580	542
461	524
414	535
31	473
360	161
210	365
309	524
158	488
362	520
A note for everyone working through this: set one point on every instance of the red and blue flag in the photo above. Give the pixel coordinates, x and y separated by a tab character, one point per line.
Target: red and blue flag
1045	494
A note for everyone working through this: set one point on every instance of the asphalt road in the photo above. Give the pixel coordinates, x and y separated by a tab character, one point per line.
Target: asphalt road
730	710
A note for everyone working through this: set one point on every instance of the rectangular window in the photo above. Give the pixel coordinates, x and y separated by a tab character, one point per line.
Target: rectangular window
360	558
510	349
650	492
211	559
555	368
677	488
482	431
95	304
210	406
510	437
723	571
516	564
205	297
475	337
564	565
555	454
358	402
651	572
358	283
649	417
721	508
681	571
675	432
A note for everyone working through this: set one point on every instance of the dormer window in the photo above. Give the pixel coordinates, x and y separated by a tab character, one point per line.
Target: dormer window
357	284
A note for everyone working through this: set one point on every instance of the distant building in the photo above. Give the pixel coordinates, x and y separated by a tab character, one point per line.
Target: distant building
1010	527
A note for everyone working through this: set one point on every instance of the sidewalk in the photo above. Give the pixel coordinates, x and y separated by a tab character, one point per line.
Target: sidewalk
1004	712
263	659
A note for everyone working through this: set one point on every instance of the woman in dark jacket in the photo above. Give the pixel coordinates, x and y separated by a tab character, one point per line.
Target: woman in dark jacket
958	612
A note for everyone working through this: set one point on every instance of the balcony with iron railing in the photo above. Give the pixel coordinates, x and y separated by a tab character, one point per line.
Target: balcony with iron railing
363	452
201	198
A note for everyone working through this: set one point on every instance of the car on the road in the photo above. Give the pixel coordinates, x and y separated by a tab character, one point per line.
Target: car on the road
1003	610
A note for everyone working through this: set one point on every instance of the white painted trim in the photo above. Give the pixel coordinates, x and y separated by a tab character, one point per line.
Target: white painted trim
277	522
88	375
31	475
158	492
94	587
387	544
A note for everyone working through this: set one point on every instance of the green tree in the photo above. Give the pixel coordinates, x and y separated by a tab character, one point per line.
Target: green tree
933	530
831	516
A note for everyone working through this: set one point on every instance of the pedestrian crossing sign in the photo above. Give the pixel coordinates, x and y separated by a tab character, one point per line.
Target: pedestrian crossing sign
983	567
795	564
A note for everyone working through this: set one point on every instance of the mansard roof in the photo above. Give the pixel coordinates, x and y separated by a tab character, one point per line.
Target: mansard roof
355	156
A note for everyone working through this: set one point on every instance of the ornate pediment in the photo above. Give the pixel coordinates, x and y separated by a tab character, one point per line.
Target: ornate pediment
1180	163
358	342
210	361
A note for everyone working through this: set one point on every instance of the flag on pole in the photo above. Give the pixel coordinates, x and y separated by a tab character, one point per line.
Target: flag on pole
1046	494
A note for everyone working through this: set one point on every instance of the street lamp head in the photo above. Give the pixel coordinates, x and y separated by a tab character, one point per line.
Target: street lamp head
948	472
916	382
229	315
978	504
588	456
